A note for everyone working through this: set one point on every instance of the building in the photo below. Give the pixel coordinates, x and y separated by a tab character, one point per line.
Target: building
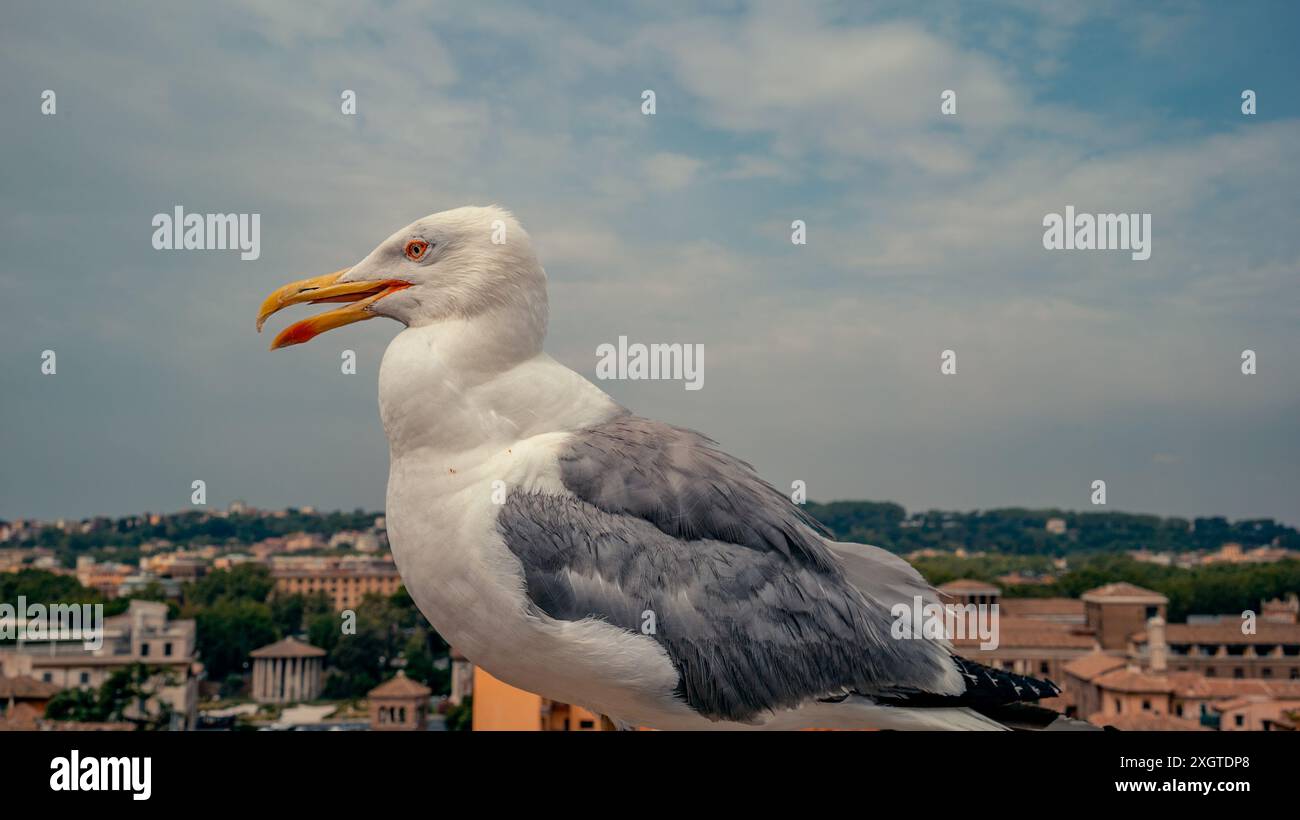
1253	713
287	671
105	578
1035	636
358	540
967	591
462	677
344	582
1116	611
141	635
25	690
399	704
1233	553
1054	610
498	706
1278	611
1109	691
1222	648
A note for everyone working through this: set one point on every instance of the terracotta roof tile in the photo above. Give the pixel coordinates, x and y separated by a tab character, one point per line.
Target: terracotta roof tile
1228	631
1133	680
1195	685
1039	607
25	686
400	686
1092	665
1033	633
1123	589
968	585
1147	722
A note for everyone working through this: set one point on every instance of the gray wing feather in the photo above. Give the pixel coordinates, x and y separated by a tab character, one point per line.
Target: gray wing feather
749	603
883	576
682	483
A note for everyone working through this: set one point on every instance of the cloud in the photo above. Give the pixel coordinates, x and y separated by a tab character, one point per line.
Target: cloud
822	360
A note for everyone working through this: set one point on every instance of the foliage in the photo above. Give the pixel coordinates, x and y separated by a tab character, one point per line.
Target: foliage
1206	590
1024	532
126	696
460	718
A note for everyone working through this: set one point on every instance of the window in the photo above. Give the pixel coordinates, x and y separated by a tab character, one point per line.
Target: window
167	649
1119	706
1238	672
1239	720
1152	611
144	650
1178	710
586	724
47	677
1146	706
85	678
1043	668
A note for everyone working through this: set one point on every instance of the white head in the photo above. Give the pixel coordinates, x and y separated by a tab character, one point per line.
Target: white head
461	264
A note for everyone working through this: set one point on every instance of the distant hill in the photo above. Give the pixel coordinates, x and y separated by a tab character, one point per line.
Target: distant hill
1019	531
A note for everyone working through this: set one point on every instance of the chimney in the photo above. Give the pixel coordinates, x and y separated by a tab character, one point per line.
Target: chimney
1157	649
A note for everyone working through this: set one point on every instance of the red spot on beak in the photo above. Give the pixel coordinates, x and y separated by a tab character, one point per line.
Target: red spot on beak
296	334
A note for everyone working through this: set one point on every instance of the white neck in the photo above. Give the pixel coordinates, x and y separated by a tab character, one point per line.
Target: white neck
461	384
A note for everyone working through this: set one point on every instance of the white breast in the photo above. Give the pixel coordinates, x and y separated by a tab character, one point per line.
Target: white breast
459	440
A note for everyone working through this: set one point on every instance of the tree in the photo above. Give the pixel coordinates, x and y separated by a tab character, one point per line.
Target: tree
229	630
128	695
245	582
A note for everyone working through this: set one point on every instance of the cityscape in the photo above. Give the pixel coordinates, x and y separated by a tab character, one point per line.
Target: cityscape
297	620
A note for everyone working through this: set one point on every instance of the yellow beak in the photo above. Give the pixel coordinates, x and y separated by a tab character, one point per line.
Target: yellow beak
320	289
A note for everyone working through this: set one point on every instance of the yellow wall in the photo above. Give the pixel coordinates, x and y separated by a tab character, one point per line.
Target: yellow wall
501	707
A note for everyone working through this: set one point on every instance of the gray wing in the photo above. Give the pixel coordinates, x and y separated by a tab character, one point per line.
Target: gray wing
882	575
749	603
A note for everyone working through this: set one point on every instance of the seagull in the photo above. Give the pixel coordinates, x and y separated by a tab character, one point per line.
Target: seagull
574	549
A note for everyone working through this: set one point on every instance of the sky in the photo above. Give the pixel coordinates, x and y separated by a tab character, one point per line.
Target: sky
822	360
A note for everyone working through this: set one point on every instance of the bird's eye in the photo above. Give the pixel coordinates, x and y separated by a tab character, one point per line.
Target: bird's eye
416	249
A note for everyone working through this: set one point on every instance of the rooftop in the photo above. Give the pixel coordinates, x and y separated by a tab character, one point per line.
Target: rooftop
288	648
400	686
1092	665
1124	592
1227	631
1129	679
969	585
1033	633
1041	607
1147	722
25	686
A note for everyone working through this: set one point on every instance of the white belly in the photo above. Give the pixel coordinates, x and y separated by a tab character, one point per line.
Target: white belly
442	528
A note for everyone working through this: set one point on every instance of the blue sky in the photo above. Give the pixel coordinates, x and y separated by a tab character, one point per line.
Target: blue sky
821	360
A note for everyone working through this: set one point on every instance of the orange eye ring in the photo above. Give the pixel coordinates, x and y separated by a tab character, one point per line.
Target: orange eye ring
416	249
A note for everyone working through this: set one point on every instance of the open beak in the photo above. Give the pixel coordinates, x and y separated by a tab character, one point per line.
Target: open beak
327	288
